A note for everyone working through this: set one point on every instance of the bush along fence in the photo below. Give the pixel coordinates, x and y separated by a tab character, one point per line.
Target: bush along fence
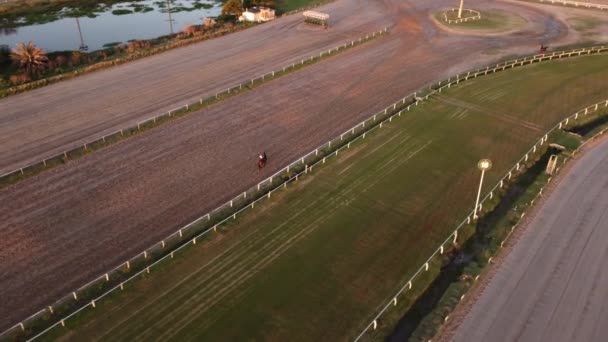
472	15
490	200
56	315
94	144
577	4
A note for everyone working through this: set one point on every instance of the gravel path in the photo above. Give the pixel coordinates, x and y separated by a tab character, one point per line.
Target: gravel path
64	227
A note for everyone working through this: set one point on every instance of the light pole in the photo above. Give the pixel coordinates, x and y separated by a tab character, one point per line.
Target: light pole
83	47
460	9
484	165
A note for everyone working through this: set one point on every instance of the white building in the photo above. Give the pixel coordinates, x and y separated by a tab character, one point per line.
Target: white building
258	15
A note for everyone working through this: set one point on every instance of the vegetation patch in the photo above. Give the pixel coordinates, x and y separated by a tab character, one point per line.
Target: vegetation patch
492	21
284	6
33	12
121	11
590	126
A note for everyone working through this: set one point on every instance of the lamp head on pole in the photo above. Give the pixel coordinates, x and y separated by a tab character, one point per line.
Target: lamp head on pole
484	164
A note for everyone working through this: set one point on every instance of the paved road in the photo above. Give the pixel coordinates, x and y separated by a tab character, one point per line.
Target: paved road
553	286
46	121
92	214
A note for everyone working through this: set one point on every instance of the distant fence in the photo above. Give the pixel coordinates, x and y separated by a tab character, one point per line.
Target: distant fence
89	294
473	15
576	4
80	150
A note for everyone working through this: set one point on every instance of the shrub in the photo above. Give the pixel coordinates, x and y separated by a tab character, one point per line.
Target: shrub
76	57
190	30
60	60
5	55
29	58
137	45
232	7
20	78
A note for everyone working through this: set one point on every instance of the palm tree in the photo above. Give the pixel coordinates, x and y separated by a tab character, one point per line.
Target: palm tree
29	58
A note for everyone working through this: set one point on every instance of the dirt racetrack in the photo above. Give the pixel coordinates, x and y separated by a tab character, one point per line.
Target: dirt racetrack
68	114
64	227
552	286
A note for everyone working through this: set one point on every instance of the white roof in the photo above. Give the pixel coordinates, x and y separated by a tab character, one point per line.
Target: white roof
316	15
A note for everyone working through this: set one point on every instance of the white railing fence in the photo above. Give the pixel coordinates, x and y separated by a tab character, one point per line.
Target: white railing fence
576	4
472	15
115	279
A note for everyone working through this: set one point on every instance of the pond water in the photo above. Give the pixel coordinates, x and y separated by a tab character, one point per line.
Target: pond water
107	25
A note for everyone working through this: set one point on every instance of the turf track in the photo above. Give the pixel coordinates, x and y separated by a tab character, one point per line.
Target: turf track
314	262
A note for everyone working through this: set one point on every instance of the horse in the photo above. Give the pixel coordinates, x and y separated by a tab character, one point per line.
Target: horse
262	161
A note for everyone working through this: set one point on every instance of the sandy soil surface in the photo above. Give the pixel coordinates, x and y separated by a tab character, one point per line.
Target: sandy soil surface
64	227
46	121
586	25
551	284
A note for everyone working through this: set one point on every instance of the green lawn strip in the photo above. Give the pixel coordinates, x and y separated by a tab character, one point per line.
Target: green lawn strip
491	20
285	6
590	126
320	259
112	138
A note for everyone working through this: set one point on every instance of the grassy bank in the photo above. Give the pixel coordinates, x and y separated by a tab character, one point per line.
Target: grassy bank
495	227
314	262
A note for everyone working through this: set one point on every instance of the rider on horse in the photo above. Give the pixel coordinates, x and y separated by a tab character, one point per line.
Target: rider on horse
262	160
